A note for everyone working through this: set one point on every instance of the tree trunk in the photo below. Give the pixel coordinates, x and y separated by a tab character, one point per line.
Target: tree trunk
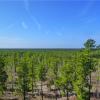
32	79
67	96
56	95
24	88
24	94
41	91
90	87
32	86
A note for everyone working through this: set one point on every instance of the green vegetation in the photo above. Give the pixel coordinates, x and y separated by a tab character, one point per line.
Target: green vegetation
68	71
3	76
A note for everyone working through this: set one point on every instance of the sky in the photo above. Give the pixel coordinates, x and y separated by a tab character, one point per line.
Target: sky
48	23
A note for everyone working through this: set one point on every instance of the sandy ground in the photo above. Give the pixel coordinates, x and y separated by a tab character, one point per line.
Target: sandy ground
39	98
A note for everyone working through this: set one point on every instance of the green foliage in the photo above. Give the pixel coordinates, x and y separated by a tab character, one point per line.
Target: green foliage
67	70
42	72
23	77
98	46
33	71
3	75
85	65
90	44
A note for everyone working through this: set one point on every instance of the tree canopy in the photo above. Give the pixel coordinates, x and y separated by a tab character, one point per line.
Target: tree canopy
90	44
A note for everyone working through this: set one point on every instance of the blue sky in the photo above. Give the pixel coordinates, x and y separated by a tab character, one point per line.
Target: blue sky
48	23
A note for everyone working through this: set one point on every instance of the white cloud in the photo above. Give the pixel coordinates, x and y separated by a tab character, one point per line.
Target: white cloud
34	20
24	25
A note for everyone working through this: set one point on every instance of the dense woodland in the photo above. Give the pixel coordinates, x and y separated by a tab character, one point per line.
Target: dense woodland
63	72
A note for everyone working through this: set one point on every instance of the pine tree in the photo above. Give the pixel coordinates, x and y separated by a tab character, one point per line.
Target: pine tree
3	76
